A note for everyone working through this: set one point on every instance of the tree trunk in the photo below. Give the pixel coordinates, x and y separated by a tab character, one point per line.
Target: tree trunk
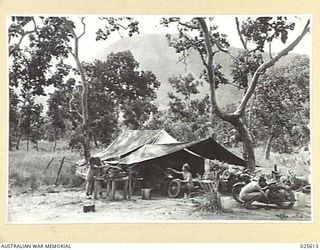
84	105
85	89
55	141
18	142
248	147
55	145
236	117
95	142
268	147
10	144
18	129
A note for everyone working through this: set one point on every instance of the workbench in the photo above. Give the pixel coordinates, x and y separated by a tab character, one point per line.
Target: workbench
111	186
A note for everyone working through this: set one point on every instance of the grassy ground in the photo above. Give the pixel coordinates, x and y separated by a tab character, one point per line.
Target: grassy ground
28	169
298	162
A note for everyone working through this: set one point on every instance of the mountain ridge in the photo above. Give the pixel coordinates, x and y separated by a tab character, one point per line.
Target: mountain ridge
153	54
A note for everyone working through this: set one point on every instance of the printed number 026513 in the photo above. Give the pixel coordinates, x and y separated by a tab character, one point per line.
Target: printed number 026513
309	246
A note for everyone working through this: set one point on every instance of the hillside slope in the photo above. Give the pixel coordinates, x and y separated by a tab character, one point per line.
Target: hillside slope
153	54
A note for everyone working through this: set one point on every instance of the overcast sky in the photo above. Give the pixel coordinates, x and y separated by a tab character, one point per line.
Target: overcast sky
149	24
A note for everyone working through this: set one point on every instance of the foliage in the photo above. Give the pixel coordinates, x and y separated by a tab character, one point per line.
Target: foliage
35	44
281	106
31	121
210	202
33	53
33	58
243	66
265	29
223	132
113	24
13	117
255	34
118	92
200	34
200	126
58	110
137	112
189	114
76	141
191	37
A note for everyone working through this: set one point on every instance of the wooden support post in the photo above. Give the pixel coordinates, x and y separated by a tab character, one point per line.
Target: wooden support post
113	189
108	187
49	164
97	188
56	182
125	189
130	181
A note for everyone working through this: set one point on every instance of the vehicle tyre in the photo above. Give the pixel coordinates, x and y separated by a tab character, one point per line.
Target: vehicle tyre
289	201
174	188
306	189
235	193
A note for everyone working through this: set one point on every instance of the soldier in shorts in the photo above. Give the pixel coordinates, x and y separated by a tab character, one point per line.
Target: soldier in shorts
93	170
253	191
187	177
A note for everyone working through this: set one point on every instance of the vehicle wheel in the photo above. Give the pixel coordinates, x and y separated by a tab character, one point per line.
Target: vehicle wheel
296	187
235	193
289	199
306	189
174	188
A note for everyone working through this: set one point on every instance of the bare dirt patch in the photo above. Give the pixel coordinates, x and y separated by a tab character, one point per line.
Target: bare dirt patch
66	206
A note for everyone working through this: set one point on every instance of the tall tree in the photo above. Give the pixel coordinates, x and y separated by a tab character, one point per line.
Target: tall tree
111	25
84	95
58	113
119	91
281	107
13	117
31	122
201	34
50	37
34	45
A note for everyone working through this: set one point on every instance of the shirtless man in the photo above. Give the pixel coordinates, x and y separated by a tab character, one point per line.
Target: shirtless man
187	177
253	191
93	168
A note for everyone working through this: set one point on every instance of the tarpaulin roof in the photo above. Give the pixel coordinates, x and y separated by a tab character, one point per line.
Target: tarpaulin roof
207	148
131	140
152	151
210	149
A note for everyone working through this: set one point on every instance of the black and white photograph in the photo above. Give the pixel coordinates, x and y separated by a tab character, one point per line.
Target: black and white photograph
159	119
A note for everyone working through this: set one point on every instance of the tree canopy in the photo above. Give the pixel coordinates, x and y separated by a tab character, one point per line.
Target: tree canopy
280	108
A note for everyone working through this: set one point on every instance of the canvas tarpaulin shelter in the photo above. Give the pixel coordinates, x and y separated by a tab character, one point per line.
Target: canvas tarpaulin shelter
131	140
210	149
164	156
136	146
150	160
207	148
150	152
